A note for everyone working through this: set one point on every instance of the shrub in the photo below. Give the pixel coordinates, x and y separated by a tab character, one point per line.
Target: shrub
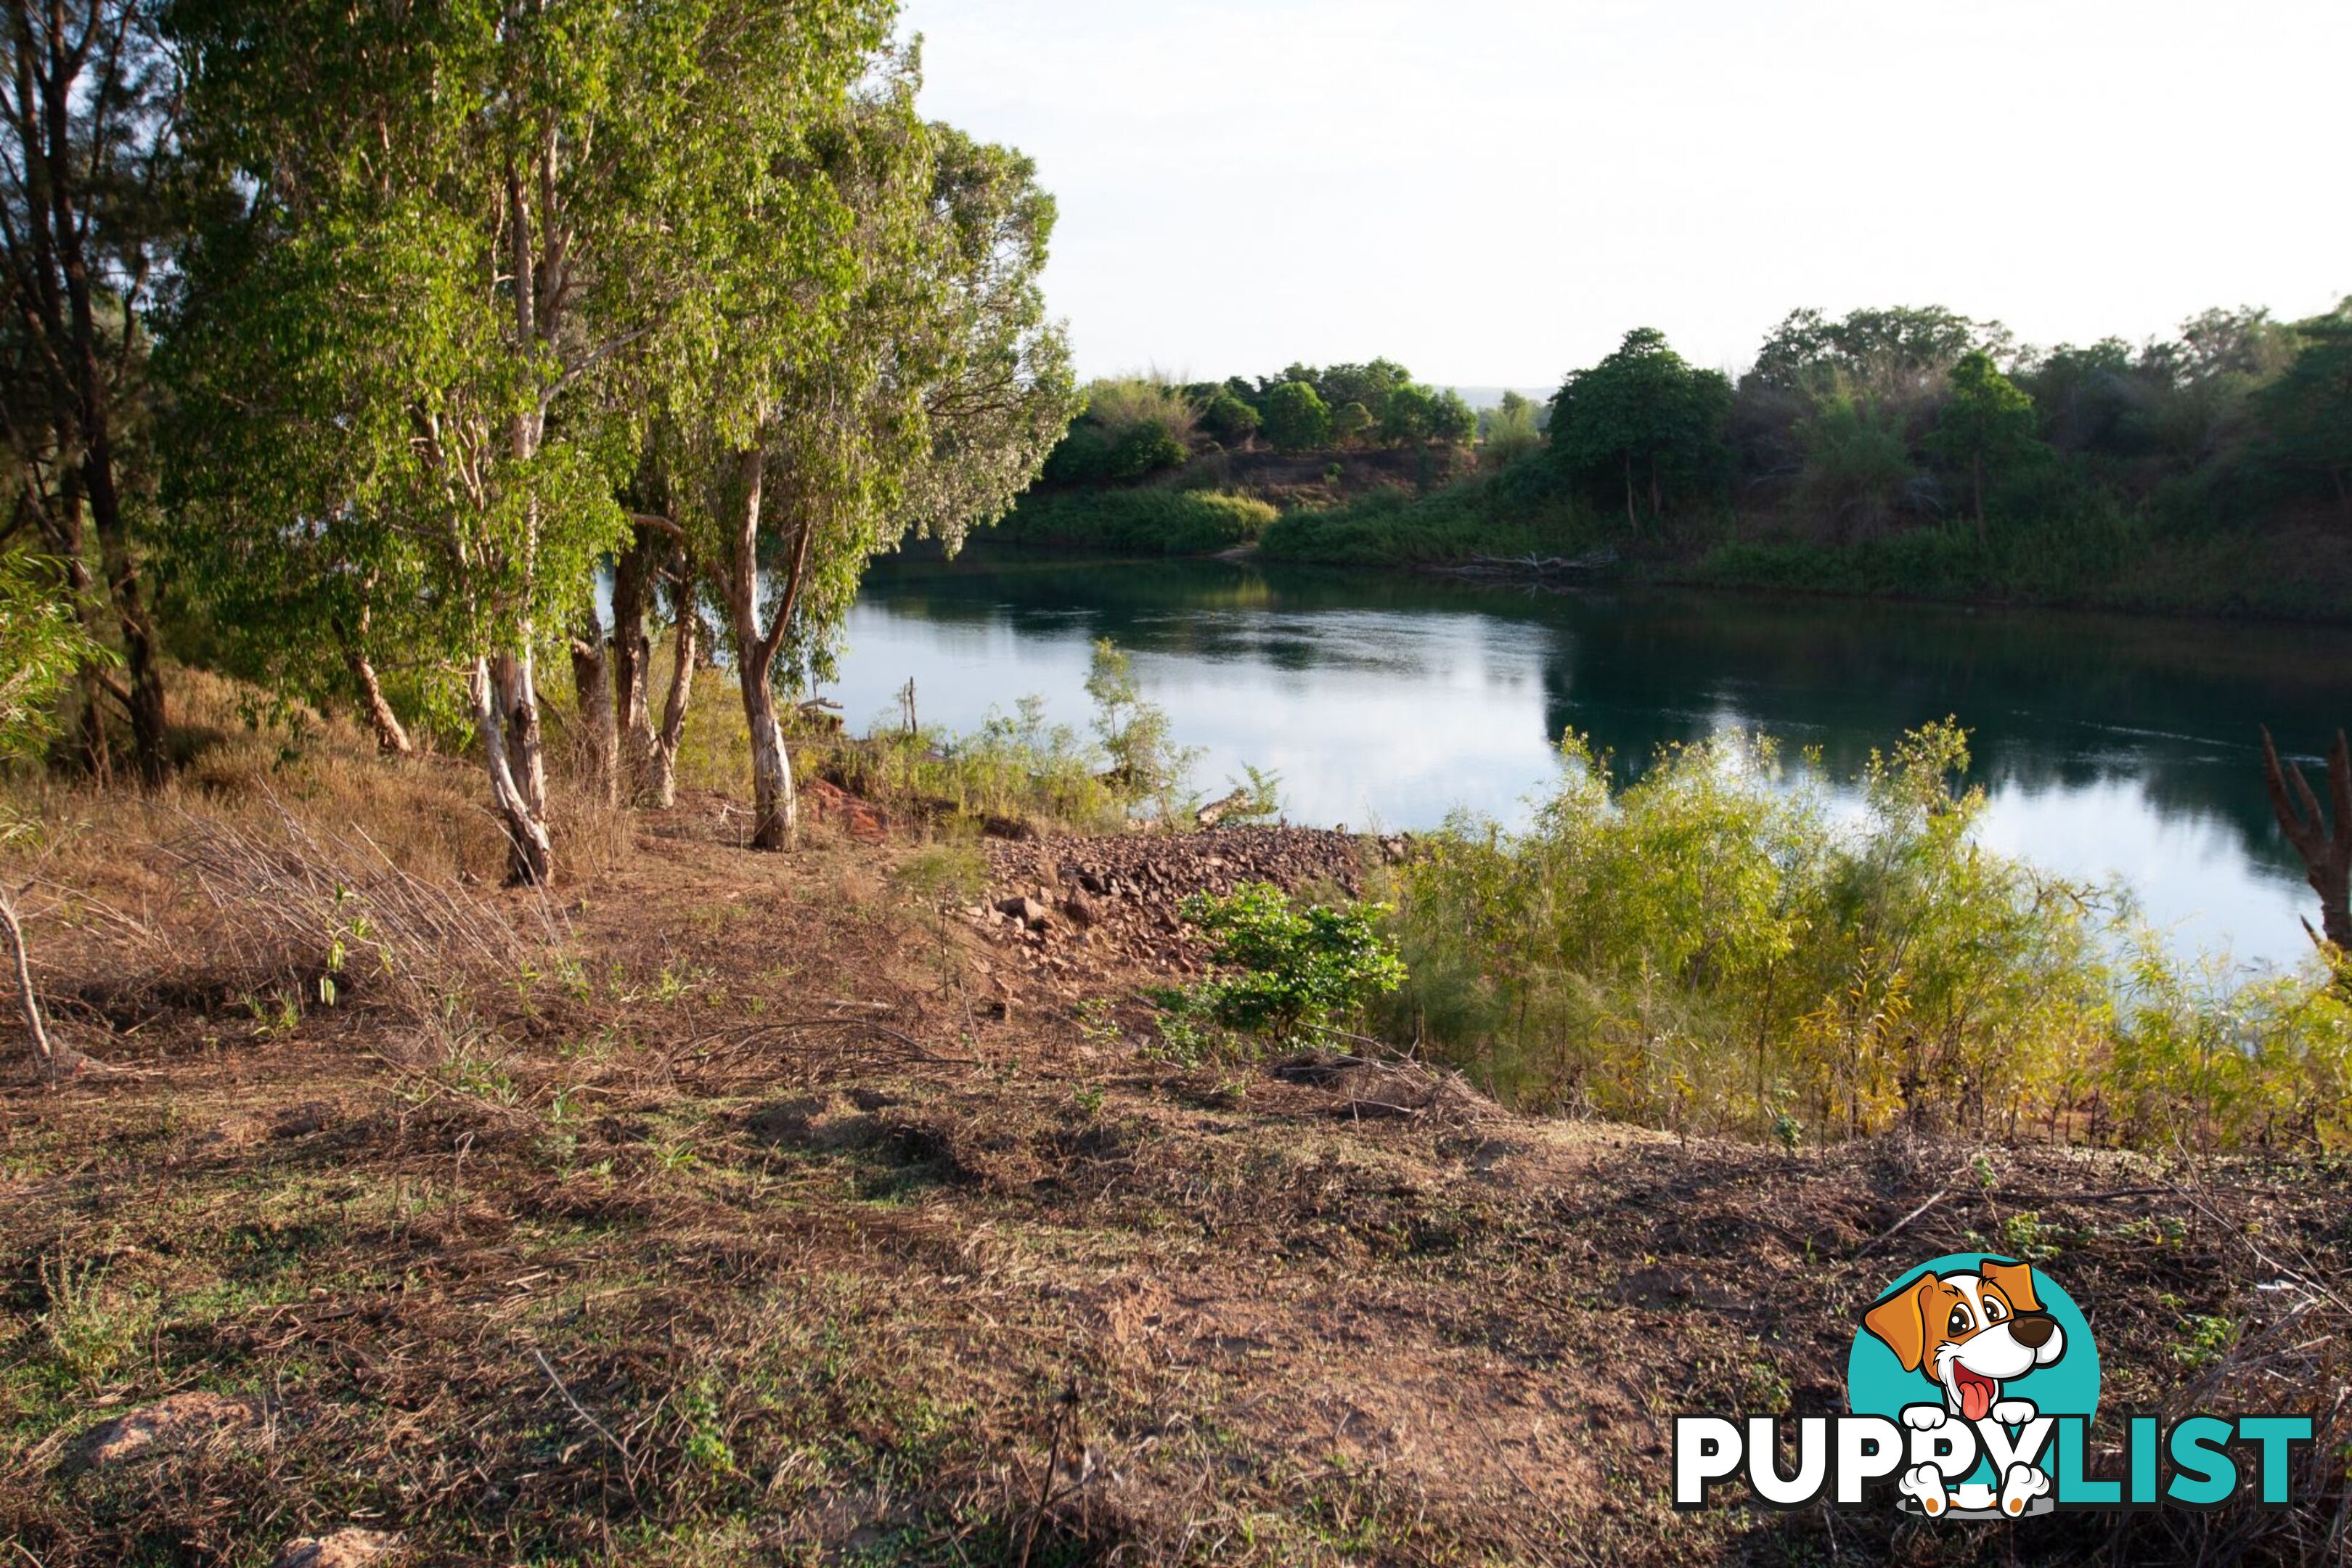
1296	418
1157	522
1301	967
1713	947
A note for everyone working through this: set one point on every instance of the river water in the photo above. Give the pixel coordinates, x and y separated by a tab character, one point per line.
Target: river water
2112	747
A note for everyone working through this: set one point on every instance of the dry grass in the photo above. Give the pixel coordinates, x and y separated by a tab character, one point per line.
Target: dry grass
743	1210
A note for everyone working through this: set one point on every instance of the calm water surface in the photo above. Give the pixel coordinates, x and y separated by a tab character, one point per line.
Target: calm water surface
2111	746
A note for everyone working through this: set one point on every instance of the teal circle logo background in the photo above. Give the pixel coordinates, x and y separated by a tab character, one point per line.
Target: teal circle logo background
1876	1384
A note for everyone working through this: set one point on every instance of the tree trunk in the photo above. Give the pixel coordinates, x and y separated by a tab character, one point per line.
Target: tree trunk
686	644
632	653
149	723
391	737
2325	849
1633	521
1657	497
506	708
600	737
44	1055
774	812
775	815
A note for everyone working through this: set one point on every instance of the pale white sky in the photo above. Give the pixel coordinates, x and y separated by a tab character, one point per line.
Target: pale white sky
1494	192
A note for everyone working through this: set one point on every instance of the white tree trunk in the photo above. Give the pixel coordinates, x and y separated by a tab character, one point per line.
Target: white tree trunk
505	709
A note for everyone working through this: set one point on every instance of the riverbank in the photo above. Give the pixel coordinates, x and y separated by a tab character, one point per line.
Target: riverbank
2297	568
736	1207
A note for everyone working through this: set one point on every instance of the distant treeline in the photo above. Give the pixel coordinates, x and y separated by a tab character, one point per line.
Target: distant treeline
1914	449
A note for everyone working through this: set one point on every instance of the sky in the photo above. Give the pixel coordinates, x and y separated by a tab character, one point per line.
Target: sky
1494	192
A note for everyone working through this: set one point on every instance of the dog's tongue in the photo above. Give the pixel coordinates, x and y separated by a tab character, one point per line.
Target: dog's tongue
1976	1398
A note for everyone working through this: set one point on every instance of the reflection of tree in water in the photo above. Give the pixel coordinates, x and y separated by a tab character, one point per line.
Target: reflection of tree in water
2056	701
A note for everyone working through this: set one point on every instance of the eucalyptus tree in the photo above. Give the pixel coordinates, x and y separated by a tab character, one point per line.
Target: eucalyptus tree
479	222
927	403
87	105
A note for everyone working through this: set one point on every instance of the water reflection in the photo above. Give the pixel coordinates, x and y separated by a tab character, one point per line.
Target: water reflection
2113	746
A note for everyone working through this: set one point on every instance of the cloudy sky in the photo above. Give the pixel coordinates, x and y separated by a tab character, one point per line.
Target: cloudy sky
1493	192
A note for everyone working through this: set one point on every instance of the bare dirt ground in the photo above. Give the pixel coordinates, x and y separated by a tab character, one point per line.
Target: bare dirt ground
732	1208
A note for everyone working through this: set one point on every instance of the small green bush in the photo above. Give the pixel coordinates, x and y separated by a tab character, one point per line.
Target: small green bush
1300	967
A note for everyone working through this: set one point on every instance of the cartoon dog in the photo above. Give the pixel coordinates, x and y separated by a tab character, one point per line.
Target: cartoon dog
1967	1334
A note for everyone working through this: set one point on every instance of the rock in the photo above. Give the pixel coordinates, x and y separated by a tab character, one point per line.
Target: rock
1080	908
344	1549
1021	907
179	1421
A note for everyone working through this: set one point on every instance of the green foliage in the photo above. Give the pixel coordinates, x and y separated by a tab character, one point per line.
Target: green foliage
1713	946
1130	430
1987	426
2308	409
1893	353
1522	510
1857	464
1146	764
1015	766
1296	418
1408	415
1510	431
42	644
1301	968
1350	423
1143	521
1452	420
1232	421
1643	425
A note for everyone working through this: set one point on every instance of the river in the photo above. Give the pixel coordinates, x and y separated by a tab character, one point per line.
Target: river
2111	747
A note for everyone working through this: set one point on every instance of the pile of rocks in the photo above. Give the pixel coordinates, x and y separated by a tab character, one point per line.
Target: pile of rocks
1118	894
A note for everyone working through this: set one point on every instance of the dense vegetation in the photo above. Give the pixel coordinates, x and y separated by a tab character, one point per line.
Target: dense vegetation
1710	949
468	304
1917	451
1152	467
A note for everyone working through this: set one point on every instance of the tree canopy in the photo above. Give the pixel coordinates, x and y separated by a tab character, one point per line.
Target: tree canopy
1646	423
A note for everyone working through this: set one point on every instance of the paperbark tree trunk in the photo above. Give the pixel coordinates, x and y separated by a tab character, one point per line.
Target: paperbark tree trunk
775	816
505	709
686	643
390	735
592	684
1633	519
632	654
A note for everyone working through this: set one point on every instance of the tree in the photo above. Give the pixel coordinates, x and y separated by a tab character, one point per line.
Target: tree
1232	421
42	649
86	124
1987	423
1296	418
928	403
1898	353
1350	423
485	221
2308	409
1452	420
1407	414
1368	384
1644	419
1510	429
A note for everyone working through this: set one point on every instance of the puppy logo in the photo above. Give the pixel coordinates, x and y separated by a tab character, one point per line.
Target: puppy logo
1974	1355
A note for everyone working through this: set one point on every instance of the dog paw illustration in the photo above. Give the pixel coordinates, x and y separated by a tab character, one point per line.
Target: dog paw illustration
1923	1417
2014	1412
1925	1482
2021	1485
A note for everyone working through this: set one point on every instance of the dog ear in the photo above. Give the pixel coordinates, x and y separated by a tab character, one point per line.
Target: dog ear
2016	1282
1900	1322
